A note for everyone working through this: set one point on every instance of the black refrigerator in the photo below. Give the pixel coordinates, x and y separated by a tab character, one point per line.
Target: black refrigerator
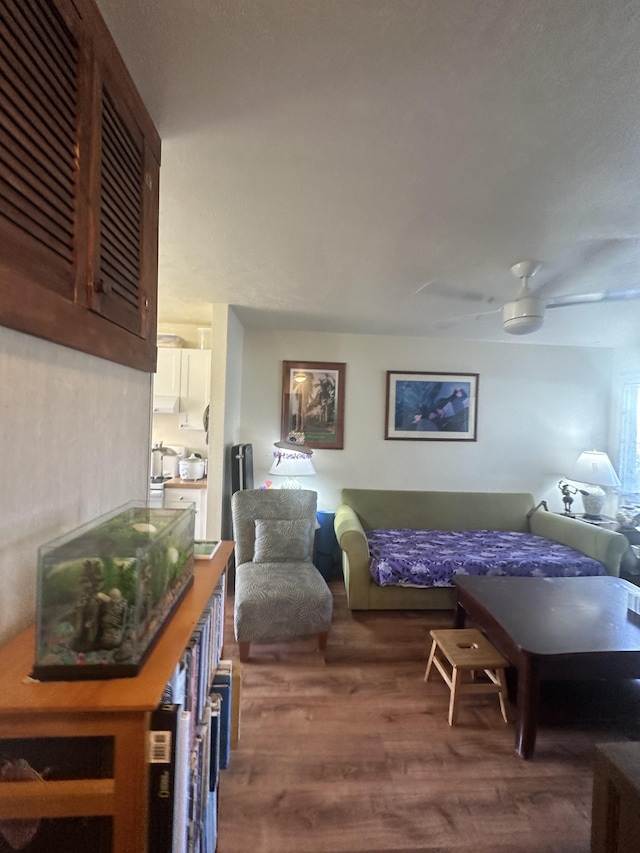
241	467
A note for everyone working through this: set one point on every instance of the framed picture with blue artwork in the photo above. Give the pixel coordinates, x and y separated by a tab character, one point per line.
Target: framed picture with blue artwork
431	406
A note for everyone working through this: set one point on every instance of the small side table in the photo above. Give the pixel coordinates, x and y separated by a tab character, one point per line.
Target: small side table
630	567
632	534
327	551
605	521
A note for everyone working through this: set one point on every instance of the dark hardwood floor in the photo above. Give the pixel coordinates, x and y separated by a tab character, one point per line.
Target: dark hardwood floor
354	755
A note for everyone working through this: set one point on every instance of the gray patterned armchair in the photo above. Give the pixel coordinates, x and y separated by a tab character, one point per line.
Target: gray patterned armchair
279	593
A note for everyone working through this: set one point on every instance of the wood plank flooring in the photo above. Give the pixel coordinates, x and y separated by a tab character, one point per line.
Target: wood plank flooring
354	755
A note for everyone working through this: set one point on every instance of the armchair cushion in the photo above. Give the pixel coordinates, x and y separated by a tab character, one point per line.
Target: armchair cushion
279	601
281	540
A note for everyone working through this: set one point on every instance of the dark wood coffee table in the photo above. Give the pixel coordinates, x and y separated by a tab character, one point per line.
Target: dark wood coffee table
557	629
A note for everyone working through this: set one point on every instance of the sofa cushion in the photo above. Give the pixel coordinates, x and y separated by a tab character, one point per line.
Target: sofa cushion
434	557
281	540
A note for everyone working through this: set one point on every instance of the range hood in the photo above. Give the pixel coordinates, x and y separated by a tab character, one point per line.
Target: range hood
165	405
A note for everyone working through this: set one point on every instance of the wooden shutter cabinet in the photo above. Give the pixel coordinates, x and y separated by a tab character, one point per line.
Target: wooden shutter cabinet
79	172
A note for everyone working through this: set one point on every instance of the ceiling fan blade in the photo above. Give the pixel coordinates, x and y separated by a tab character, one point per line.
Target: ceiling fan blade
444	291
585	298
448	322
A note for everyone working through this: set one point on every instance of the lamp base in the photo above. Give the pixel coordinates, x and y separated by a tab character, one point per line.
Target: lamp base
290	483
593	501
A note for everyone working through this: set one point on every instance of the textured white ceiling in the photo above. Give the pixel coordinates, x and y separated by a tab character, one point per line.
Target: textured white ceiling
324	159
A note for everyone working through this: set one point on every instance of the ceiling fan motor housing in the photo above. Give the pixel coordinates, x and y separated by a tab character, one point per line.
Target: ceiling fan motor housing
523	316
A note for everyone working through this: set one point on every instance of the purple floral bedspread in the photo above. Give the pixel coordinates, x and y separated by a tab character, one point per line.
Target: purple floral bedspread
432	557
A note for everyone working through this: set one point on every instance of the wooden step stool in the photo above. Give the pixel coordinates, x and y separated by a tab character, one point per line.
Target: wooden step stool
467	650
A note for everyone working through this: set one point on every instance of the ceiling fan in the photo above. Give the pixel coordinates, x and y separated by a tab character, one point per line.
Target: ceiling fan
525	314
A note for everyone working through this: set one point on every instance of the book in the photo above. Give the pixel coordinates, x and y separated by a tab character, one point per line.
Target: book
219	599
203	733
192	661
221	686
181	803
175	693
168	737
204	760
236	690
202	633
210	825
214	742
195	795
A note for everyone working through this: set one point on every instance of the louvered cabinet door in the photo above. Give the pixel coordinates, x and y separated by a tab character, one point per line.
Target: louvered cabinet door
79	172
39	65
122	283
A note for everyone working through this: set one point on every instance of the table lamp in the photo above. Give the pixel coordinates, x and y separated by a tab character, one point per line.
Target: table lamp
594	469
291	459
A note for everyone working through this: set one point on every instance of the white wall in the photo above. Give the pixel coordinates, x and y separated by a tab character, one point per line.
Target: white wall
226	353
75	439
538	408
232	413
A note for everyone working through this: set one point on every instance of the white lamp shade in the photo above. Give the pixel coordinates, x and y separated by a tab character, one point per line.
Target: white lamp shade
594	467
291	464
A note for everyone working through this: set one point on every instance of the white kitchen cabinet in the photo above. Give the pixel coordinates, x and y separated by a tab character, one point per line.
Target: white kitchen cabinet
195	495
181	385
195	380
166	382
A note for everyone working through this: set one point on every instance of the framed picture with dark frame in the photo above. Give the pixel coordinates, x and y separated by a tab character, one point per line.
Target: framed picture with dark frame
431	406
313	402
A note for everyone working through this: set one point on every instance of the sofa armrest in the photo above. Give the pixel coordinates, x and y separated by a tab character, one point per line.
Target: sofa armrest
355	556
606	546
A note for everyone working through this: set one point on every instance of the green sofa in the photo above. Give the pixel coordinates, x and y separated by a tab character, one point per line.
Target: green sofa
374	509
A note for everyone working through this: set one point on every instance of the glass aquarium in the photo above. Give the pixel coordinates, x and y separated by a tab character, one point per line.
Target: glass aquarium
106	589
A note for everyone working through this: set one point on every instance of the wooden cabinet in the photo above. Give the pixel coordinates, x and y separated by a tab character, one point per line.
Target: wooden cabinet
615	826
118	709
79	169
605	521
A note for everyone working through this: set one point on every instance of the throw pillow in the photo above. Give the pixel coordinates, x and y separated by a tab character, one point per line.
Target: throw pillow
281	540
